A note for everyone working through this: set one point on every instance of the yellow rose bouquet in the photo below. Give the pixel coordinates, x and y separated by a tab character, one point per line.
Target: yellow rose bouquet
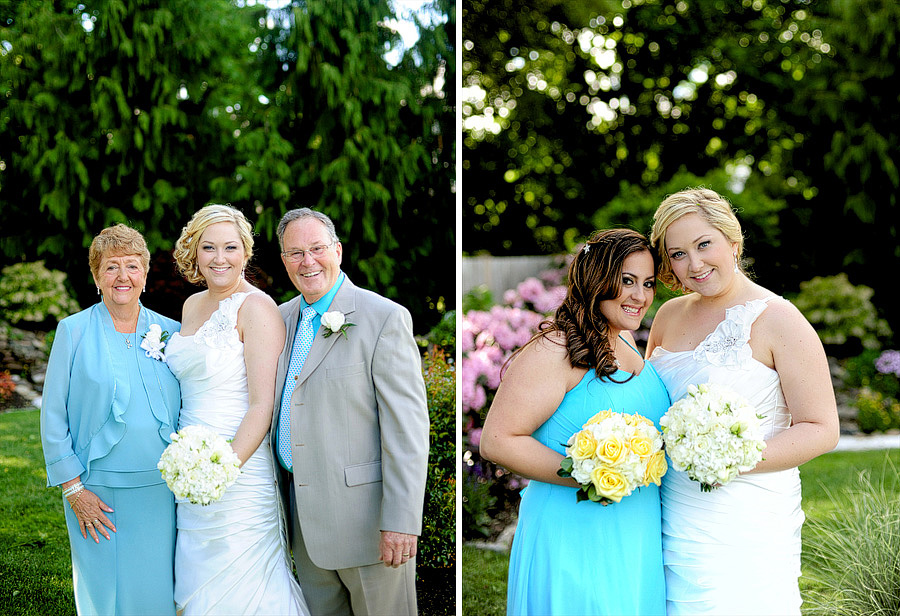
613	454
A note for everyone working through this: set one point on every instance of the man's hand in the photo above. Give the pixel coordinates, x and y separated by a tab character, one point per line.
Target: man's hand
397	548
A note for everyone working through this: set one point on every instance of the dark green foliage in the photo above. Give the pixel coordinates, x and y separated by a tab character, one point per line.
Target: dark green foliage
876	412
436	560
477	503
570	106
444	334
339	130
158	108
97	128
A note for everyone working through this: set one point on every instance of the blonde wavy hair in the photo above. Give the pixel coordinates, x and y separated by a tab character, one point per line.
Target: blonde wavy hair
118	240
185	252
712	207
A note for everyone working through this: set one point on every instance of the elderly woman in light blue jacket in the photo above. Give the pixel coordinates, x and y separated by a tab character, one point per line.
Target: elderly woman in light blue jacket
109	407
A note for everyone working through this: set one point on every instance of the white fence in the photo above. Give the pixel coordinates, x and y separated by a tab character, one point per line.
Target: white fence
500	274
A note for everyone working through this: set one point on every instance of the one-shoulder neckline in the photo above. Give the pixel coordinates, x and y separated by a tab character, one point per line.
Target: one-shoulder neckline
218	309
728	311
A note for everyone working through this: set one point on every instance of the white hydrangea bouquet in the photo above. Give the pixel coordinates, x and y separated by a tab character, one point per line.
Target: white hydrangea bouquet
613	454
199	465
712	434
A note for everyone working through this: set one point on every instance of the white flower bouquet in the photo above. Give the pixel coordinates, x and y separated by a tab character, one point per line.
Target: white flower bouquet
199	465
613	454
712	434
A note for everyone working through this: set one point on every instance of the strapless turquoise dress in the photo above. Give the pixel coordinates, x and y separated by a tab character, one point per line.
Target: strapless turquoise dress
583	558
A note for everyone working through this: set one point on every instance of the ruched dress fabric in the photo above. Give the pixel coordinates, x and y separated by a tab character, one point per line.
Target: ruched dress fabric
231	555
582	558
734	550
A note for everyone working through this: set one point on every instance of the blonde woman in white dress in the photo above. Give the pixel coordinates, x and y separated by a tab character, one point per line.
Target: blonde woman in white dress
735	550
231	556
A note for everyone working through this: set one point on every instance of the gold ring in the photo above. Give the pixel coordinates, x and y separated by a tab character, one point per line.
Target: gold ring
407	555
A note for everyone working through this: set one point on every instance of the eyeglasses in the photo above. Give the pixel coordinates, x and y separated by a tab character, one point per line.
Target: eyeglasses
296	256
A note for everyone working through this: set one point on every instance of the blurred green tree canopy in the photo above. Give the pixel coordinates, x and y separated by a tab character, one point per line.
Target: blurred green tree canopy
144	111
583	114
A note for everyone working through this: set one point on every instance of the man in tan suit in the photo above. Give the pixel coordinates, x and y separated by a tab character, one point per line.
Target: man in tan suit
350	431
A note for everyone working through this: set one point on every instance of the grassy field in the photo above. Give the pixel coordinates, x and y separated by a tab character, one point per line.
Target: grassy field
35	562
35	567
484	572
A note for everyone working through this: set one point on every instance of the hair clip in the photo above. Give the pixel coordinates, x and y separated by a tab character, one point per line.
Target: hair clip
587	248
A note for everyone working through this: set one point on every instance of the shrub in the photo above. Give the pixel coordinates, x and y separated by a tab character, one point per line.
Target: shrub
7	386
840	312
32	293
444	334
854	553
479	298
437	546
477	502
876	413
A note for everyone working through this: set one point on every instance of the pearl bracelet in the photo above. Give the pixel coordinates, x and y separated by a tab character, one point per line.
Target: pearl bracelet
73	489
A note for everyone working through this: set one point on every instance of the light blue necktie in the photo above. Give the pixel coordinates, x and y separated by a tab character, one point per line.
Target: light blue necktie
302	342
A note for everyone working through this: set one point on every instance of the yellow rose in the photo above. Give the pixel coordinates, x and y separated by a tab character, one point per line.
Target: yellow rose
656	468
641	445
611	449
609	483
584	446
602	415
642	419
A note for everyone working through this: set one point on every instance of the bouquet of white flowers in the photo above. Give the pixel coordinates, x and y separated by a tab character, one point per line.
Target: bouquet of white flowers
712	433
613	454
199	465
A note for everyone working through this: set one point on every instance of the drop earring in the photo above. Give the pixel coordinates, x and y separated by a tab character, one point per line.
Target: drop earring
98	291
736	268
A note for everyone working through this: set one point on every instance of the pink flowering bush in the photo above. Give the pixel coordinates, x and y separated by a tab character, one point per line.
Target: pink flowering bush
489	338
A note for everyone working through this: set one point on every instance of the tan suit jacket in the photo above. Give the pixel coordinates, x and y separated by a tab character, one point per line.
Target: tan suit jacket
359	430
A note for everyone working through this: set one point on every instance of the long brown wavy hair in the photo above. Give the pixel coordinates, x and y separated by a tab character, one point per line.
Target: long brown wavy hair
594	275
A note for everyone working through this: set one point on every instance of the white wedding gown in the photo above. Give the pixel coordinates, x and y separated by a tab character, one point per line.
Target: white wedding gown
735	550
230	556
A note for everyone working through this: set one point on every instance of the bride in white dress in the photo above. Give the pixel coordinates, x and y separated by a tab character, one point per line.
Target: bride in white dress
230	556
735	550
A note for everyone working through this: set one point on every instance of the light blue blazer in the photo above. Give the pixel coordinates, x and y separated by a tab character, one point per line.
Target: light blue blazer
87	389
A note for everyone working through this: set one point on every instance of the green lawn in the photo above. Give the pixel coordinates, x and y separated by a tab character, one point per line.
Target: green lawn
35	567
35	563
484	572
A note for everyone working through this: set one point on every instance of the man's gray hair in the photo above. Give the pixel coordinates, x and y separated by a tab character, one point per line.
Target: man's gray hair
300	213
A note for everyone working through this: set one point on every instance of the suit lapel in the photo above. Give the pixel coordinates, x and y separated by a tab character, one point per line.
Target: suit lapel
344	301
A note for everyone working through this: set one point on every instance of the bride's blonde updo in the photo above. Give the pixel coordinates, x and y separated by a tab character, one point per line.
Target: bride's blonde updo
595	275
185	252
709	205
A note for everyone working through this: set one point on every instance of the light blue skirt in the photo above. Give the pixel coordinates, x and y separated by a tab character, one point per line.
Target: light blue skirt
134	571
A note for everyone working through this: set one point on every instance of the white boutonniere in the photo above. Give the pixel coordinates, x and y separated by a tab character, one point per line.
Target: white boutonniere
335	323
154	341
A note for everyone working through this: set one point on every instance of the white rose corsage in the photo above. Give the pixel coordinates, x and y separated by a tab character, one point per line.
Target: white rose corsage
335	323
154	341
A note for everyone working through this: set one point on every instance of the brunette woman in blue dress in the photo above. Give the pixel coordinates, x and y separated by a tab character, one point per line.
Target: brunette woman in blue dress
571	557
